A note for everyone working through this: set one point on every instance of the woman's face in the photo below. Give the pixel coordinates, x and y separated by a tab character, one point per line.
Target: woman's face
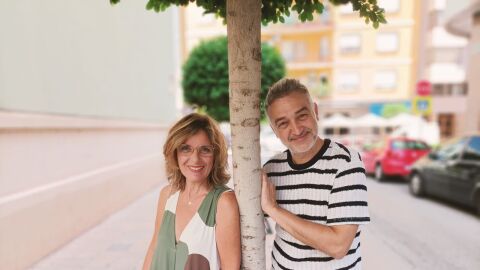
195	157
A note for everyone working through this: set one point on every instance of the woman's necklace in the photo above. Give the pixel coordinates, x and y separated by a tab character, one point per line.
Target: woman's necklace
193	199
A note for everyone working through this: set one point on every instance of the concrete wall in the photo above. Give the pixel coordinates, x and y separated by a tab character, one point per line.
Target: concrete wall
71	74
88	58
60	176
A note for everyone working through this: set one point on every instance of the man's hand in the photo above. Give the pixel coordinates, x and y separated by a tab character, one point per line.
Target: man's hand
269	202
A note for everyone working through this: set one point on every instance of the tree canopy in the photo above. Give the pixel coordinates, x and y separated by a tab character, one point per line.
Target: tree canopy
205	76
275	11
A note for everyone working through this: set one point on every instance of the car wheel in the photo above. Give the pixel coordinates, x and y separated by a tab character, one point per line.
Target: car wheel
416	185
379	176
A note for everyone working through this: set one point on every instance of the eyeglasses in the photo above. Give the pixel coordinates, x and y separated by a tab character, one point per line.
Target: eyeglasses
202	150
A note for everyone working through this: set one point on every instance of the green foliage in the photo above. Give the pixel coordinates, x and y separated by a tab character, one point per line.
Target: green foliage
274	11
205	76
392	109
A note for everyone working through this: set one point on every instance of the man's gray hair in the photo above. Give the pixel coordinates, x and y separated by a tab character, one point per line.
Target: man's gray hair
285	87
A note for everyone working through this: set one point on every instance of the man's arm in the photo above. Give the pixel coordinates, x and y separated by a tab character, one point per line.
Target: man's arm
332	240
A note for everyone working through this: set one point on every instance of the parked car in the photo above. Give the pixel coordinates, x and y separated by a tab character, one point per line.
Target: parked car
452	172
394	158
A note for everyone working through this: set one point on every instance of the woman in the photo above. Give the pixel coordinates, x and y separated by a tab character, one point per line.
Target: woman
198	224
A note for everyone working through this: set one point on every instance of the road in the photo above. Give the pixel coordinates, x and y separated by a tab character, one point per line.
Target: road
417	233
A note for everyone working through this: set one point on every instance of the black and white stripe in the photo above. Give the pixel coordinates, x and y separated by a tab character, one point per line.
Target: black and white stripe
330	190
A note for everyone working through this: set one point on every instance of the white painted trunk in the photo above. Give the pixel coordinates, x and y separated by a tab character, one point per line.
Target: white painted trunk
244	66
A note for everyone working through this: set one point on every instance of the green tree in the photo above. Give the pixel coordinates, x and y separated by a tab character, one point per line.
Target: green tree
244	19
205	76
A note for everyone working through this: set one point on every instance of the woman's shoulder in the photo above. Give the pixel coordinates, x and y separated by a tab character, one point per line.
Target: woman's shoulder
227	198
167	191
227	206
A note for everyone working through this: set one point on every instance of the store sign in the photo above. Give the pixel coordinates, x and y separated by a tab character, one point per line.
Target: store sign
424	88
422	105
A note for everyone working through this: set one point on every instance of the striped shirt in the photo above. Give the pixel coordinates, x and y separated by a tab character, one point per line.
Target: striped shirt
330	190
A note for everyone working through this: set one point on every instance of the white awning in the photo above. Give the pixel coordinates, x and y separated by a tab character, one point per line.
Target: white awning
371	120
405	119
337	120
446	73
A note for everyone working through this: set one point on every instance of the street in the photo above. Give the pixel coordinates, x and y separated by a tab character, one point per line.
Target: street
417	233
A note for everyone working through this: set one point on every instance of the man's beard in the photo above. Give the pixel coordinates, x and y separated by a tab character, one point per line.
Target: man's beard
296	150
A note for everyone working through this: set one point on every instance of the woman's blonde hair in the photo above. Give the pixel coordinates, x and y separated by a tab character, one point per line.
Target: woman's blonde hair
185	128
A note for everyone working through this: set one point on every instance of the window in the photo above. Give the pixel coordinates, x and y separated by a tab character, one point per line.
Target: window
386	79
446	123
293	51
412	145
287	50
350	43
344	131
390	6
348	81
472	152
329	131
452	150
325	17
387	42
318	85
324	52
455	89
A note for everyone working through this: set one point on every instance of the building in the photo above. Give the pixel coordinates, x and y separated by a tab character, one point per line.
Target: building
443	64
373	67
349	66
306	48
84	91
465	22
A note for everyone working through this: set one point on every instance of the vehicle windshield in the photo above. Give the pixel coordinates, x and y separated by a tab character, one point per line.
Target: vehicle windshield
410	145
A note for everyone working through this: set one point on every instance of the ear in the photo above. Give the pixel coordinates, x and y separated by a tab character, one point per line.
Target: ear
315	109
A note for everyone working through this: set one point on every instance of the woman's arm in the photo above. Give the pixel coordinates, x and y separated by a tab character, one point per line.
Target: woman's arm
228	232
160	207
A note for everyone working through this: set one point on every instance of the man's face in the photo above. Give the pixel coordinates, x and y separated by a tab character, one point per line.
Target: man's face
294	121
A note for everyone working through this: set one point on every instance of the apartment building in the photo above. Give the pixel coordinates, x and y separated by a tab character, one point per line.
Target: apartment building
373	67
349	66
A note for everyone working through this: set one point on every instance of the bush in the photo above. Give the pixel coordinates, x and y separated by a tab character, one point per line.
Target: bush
205	76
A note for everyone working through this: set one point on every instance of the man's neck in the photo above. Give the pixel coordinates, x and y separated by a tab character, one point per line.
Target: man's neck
301	158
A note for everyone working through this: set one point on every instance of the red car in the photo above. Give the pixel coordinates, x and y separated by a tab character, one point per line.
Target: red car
395	158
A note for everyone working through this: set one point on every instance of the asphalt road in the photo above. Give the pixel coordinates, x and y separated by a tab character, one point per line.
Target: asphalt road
417	233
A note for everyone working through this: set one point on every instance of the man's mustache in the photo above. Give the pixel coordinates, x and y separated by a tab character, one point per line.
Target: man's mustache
303	133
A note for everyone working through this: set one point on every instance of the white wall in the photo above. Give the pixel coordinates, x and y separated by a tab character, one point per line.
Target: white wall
67	68
88	58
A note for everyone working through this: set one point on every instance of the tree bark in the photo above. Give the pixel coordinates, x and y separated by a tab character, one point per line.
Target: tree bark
244	67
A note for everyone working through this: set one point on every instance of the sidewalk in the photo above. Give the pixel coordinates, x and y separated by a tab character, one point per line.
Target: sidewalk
119	242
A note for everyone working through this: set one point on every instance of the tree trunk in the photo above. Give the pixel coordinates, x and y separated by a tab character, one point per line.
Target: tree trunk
244	67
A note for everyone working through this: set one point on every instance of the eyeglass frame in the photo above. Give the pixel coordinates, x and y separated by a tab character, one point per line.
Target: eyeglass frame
193	149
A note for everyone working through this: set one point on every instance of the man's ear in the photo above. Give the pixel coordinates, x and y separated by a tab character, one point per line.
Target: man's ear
315	109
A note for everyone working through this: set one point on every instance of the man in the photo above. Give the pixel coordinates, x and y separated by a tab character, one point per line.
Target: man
315	191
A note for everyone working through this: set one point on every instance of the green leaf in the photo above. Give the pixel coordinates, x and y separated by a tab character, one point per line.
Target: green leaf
205	76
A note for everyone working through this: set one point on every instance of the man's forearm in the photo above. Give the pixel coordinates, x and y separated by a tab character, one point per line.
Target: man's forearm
332	240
